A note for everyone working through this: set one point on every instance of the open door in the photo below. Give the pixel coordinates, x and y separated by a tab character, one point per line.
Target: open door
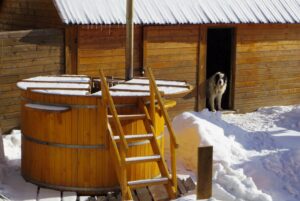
220	56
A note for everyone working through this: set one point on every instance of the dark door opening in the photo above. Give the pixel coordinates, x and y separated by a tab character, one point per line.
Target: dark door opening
220	51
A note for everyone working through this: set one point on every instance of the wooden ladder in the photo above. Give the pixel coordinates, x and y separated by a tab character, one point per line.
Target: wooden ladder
120	159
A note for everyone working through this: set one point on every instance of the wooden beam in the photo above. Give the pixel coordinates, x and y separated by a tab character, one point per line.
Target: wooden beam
129	40
233	69
2	158
201	76
71	49
204	177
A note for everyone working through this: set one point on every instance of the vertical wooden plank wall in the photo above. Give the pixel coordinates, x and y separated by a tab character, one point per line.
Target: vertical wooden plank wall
28	14
71	49
104	46
267	66
172	52
25	54
201	75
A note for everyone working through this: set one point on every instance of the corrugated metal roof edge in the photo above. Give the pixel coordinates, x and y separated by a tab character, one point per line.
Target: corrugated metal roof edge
215	23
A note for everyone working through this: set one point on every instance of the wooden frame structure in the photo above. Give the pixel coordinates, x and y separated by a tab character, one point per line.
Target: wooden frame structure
264	64
119	155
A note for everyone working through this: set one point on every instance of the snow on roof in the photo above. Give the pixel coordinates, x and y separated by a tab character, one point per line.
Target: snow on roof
179	11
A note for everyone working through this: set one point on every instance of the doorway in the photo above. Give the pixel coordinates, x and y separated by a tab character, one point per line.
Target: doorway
220	57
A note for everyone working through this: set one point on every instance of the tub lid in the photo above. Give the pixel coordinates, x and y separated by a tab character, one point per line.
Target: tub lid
80	85
61	84
140	86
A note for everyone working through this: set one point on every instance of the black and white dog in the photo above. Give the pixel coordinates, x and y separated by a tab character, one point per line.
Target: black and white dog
215	88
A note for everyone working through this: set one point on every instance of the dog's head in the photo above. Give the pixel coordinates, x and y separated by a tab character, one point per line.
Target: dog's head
220	79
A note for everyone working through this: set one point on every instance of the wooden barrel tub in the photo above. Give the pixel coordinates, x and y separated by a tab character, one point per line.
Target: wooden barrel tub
64	136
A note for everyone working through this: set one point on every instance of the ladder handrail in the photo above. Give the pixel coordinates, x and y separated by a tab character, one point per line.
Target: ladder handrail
112	108
173	141
165	114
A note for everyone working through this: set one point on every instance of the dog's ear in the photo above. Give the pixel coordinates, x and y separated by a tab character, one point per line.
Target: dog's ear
217	77
225	78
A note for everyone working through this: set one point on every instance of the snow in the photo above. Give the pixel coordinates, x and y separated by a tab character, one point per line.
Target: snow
47	107
123	93
102	12
61	85
25	85
166	90
256	156
64	92
64	78
158	82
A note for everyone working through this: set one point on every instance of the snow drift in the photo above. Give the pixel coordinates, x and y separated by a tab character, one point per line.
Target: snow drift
256	155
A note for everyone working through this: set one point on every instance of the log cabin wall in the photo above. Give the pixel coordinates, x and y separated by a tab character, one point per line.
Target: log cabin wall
267	66
104	47
25	54
28	14
173	53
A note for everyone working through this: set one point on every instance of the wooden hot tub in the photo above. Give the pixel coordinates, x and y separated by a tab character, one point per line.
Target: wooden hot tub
64	133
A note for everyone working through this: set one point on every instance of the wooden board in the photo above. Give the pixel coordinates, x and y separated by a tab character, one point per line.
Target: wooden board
172	53
104	47
71	49
267	66
26	54
58	151
28	14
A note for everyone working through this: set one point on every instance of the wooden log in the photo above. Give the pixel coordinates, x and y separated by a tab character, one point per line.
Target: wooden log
134	196
159	193
204	177
189	184
143	194
181	187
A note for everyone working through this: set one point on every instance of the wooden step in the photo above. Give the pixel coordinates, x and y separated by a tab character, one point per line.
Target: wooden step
142	159
135	137
126	117
147	182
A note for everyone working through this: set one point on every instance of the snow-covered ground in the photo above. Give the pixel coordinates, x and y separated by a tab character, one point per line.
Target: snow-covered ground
256	155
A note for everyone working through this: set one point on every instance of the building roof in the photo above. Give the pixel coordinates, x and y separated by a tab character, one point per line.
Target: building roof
179	11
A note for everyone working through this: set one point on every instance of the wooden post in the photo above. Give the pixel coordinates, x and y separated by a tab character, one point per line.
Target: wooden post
201	85
1	148
129	40
71	49
204	177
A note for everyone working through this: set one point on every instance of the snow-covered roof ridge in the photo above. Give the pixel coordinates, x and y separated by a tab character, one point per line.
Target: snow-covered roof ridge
179	11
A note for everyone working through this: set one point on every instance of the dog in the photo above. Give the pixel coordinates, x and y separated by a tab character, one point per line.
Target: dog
216	86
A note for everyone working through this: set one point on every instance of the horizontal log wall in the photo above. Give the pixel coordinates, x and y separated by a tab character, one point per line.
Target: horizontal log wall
267	66
173	53
28	14
25	54
104	47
